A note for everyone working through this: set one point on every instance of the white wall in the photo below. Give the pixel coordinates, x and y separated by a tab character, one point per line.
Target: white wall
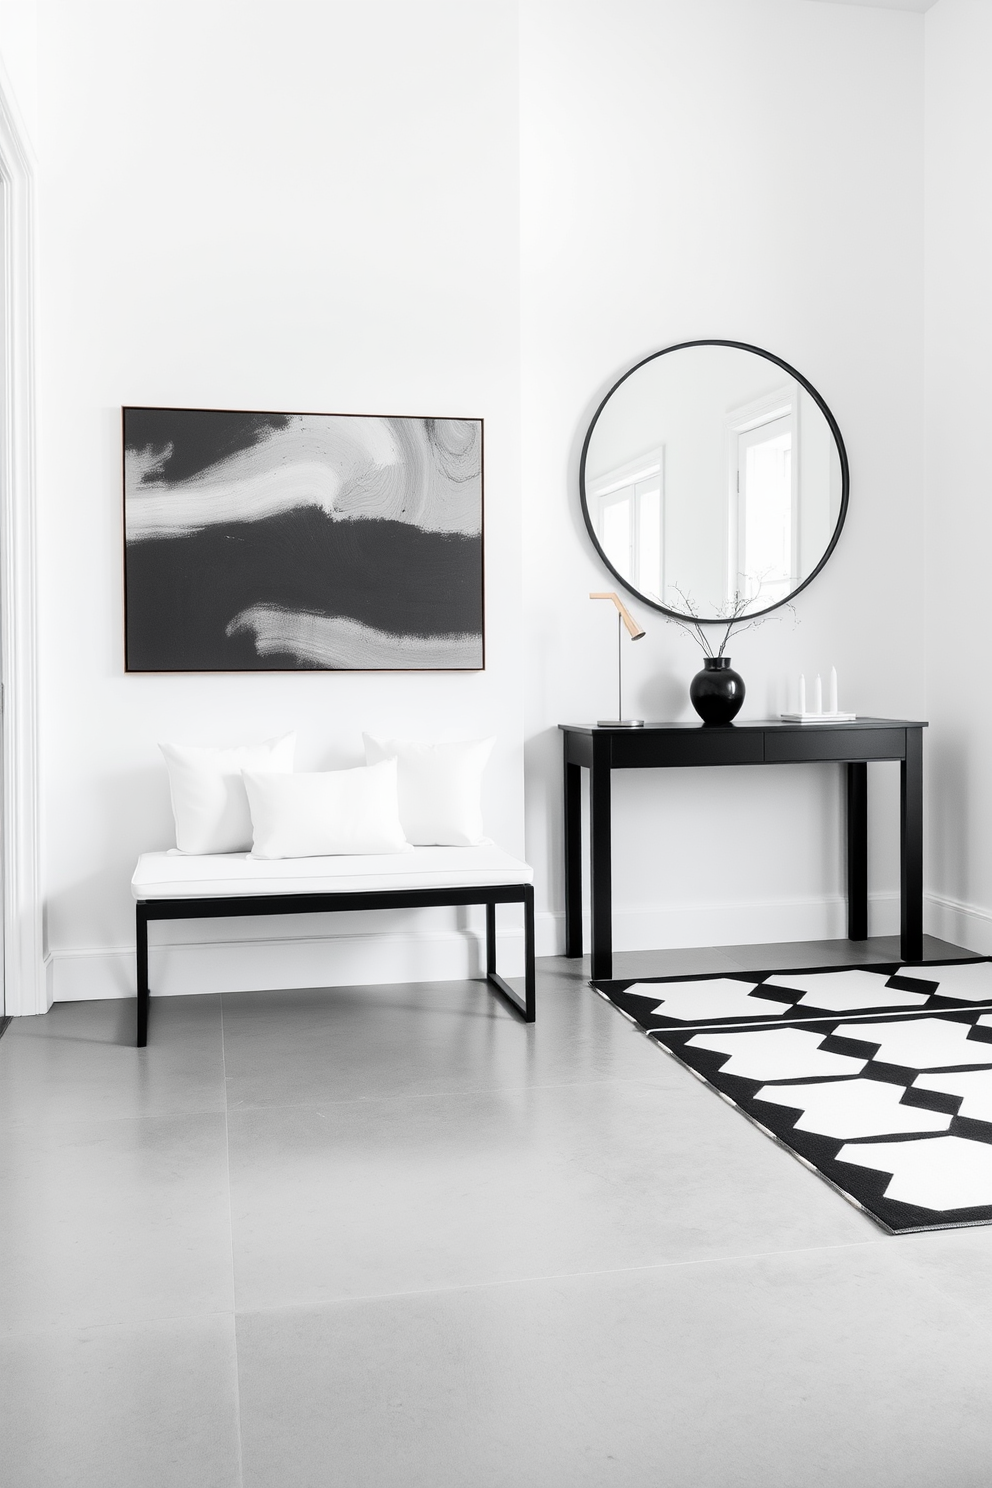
19	60
324	206
959	485
260	206
696	168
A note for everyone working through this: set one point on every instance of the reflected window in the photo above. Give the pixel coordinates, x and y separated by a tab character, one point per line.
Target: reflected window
765	504
628	506
764	469
617	529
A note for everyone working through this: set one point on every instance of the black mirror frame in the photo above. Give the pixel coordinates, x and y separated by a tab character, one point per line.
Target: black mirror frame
834	429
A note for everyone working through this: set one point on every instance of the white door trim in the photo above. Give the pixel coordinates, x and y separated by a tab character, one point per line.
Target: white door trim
24	968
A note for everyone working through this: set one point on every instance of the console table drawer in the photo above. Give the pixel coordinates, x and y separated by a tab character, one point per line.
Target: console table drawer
838	744
719	746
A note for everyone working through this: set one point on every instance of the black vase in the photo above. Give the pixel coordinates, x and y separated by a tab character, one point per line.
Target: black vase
717	692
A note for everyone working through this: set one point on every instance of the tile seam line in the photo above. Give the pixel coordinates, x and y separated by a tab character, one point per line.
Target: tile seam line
55	1125
225	1110
46	1330
543	1278
482	1092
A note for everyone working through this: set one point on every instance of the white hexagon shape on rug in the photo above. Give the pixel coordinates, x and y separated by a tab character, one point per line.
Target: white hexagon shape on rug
777	1054
719	997
844	991
974	1085
972	981
939	1173
920	1043
853	1108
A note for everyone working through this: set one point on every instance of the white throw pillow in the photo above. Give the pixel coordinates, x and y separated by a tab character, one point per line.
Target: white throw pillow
208	793
440	788
318	815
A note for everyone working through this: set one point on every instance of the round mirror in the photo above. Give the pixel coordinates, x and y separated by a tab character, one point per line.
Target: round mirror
714	480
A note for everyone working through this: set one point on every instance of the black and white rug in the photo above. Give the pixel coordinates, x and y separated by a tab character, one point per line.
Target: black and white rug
877	1077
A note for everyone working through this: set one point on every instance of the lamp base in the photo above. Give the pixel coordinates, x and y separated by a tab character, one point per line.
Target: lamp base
620	723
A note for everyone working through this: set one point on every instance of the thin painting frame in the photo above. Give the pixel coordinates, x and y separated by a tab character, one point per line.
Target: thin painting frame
270	541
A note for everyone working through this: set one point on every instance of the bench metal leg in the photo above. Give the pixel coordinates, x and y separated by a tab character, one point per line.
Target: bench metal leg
141	958
524	1009
490	940
530	956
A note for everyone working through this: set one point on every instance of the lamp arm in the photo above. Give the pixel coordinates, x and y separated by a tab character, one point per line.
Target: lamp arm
633	629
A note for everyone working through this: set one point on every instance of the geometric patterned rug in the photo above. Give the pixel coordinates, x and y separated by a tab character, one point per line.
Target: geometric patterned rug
879	1078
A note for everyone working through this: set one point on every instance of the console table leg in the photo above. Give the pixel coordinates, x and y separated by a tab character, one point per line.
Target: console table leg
573	859
857	851
911	856
601	871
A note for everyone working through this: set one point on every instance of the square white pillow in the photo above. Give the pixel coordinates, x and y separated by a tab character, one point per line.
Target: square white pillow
440	788
208	794
318	815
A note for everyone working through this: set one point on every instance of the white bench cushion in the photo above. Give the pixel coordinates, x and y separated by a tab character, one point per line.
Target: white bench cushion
171	875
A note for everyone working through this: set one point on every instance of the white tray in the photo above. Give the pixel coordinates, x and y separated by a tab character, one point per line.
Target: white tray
818	717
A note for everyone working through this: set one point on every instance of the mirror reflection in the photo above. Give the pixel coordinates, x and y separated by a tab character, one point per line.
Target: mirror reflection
713	480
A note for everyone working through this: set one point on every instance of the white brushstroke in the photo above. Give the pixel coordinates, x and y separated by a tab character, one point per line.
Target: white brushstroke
336	643
425	472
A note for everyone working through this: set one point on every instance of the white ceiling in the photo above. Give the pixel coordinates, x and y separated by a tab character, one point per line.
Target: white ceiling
918	5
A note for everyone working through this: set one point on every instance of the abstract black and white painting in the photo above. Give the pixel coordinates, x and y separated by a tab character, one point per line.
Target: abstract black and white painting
290	541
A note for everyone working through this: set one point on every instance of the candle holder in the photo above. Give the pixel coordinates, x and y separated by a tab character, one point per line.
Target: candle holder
819	714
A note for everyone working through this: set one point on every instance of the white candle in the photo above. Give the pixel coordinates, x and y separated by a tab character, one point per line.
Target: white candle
834	705
817	695
802	693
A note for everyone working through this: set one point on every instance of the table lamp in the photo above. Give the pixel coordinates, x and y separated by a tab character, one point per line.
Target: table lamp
624	620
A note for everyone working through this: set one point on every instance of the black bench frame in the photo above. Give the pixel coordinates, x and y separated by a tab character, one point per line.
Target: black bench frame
261	904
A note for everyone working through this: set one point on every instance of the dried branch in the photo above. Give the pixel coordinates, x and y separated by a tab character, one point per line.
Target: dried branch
731	617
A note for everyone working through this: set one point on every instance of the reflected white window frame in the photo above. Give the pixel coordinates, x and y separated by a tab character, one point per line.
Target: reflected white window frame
631	482
783	401
755	578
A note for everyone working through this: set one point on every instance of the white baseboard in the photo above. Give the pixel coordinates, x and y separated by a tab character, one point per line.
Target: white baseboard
549	932
739	923
93	973
97	972
962	924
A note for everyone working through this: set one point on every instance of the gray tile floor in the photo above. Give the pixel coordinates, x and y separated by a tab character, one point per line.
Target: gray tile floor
389	1236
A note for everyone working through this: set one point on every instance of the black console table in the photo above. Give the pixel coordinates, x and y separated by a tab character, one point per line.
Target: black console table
666	745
